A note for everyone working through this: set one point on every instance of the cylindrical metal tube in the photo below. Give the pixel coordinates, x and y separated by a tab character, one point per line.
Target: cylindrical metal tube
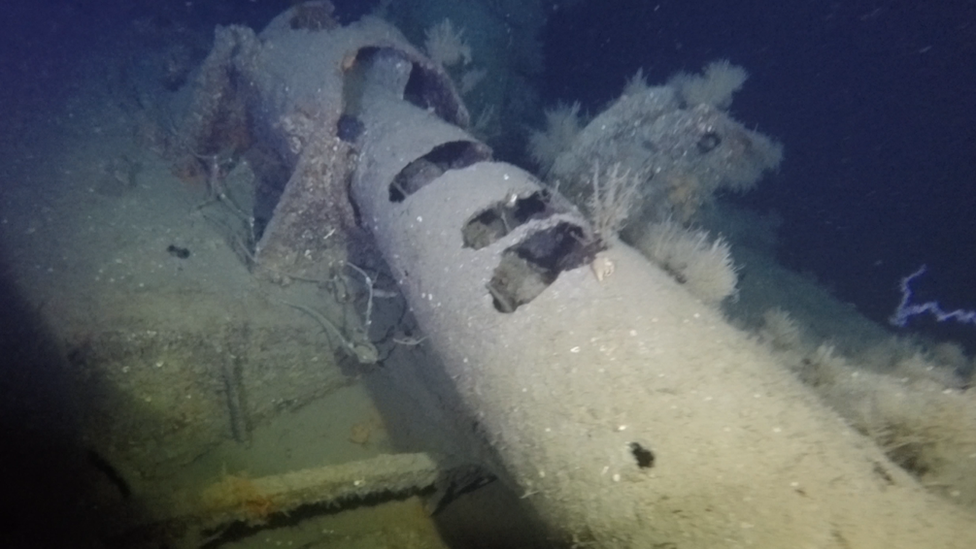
625	412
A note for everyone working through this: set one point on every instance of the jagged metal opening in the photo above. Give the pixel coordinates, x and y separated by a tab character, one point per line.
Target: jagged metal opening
426	88
432	90
493	223
529	267
452	155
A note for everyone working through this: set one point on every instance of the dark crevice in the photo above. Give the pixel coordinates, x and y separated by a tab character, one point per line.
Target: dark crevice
271	175
431	90
529	267
452	155
425	87
349	128
493	223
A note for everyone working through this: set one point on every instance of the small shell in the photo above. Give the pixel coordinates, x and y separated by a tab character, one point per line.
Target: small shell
602	267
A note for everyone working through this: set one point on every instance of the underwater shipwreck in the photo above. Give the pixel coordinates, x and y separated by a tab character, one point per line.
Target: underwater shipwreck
517	329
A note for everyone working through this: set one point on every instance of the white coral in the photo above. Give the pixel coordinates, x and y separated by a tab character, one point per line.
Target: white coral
715	86
703	265
615	195
446	46
563	124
